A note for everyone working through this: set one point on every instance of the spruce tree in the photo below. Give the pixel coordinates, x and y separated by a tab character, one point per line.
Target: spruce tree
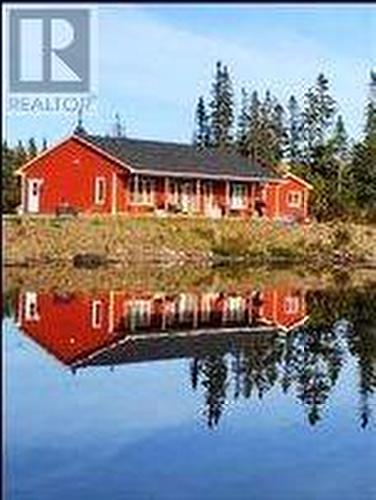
269	132
243	123
363	168
32	150
11	159
253	141
340	139
320	167
279	133
340	151
118	126
222	109
201	134
294	130
318	114
370	128
21	155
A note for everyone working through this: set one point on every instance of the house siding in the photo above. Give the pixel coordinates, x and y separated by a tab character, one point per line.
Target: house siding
68	174
63	322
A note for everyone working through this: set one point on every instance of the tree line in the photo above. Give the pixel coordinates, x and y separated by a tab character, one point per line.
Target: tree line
309	138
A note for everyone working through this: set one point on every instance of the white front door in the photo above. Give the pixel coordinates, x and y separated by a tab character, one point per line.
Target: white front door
33	195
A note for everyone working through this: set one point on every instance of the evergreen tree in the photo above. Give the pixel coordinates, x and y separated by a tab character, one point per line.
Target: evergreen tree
243	123
44	144
253	141
340	151
20	154
279	133
370	129
32	148
118	126
11	159
319	164
201	134
79	129
265	140
222	109
318	115
294	136
363	168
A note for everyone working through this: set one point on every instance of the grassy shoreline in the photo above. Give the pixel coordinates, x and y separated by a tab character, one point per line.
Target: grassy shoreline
49	240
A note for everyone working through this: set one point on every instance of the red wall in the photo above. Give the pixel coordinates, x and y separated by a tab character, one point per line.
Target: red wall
68	173
64	324
276	198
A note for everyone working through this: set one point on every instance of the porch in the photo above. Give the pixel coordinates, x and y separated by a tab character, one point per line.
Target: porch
205	197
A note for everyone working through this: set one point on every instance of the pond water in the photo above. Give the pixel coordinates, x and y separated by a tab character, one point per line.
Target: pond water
200	391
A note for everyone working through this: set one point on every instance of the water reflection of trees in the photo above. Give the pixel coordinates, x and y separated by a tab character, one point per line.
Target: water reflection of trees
306	362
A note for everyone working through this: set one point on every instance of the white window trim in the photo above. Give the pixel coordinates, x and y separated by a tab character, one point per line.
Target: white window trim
31	302
96	319
294	203
291	304
97	200
238	196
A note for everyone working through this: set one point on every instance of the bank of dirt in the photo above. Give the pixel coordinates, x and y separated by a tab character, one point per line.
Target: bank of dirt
28	241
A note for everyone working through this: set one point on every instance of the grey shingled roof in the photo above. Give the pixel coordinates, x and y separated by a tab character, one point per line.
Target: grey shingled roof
179	159
149	348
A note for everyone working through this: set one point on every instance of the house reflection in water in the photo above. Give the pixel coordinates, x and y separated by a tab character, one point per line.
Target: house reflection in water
82	329
238	345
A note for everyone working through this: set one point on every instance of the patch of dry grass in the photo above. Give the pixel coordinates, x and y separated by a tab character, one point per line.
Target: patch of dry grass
178	239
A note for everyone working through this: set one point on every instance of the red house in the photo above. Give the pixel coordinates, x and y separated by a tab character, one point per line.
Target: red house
92	174
76	326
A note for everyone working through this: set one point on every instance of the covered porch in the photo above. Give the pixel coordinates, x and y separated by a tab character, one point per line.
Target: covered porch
207	197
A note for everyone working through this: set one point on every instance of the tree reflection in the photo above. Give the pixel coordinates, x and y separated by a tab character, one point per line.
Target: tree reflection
212	371
306	362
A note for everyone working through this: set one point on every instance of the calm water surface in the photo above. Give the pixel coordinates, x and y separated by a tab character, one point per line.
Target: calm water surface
261	392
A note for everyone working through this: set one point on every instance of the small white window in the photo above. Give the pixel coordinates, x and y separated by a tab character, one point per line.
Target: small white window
294	199
238	196
96	314
31	306
291	304
100	190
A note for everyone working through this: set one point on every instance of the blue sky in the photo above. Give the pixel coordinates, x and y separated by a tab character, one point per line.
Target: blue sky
154	62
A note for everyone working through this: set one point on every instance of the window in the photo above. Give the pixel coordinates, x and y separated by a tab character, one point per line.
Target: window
186	305
238	196
142	190
291	305
235	309
31	306
139	313
294	199
100	190
96	313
